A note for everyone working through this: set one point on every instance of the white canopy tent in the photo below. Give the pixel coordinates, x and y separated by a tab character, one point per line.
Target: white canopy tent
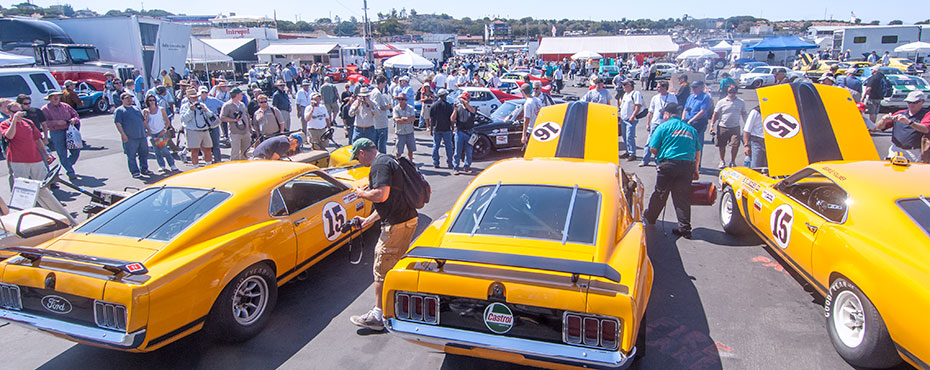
202	54
913	47
408	60
9	60
697	53
585	55
723	45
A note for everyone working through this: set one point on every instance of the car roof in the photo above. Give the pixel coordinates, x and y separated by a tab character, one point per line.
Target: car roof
21	70
878	180
229	176
551	171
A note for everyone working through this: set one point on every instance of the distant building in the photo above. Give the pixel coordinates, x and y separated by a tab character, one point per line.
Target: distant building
499	30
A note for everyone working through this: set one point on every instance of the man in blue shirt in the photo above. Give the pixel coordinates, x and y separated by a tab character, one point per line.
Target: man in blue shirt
677	148
214	105
698	109
850	81
281	101
139	86
131	127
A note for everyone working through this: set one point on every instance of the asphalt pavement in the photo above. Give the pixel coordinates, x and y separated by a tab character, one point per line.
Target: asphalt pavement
718	302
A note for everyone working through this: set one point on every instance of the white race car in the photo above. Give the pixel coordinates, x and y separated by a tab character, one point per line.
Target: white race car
485	99
765	75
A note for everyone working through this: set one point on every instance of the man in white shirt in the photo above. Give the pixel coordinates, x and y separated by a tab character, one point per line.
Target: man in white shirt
728	115
630	105
557	77
316	117
440	80
531	108
754	137
452	81
303	101
654	118
735	73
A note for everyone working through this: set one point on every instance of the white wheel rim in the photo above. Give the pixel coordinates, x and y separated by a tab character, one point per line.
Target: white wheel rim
726	208
250	300
849	319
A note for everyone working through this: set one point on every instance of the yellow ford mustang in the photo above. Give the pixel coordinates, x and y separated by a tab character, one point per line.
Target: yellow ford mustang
542	260
207	248
856	228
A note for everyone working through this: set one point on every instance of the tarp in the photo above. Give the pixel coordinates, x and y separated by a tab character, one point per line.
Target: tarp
227	46
607	44
781	43
297	49
201	52
8	59
408	59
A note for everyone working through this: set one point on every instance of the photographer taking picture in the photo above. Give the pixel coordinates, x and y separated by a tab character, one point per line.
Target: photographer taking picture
235	114
196	119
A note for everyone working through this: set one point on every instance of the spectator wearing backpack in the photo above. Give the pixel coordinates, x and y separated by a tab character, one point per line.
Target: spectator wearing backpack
874	92
386	191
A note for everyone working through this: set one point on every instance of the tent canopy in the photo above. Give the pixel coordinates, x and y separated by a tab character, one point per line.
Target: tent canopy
913	47
723	45
297	49
585	55
607	44
697	53
408	59
227	46
9	59
201	52
781	43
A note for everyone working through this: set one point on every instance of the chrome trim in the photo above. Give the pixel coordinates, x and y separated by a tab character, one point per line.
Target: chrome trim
536	350
10	297
75	331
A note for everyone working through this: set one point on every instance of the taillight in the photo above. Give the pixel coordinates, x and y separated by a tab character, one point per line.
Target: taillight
591	331
416	307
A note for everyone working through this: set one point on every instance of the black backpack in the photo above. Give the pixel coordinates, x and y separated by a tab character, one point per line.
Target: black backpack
416	188
887	88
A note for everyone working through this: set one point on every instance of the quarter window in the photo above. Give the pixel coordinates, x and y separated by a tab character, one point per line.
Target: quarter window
859	40
11	86
42	82
919	211
307	190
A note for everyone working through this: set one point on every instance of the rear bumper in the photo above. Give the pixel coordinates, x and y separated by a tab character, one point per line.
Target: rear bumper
76	332
532	350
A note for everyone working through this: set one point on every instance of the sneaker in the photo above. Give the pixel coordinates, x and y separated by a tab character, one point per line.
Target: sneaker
162	169
174	168
624	155
137	175
456	171
368	320
682	233
435	165
642	164
631	158
148	173
732	164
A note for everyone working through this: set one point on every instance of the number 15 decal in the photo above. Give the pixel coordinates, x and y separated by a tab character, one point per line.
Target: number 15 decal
334	216
781	221
546	131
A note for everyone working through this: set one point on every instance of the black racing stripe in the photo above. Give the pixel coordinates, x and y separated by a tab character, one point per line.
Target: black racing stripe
819	137
175	332
574	128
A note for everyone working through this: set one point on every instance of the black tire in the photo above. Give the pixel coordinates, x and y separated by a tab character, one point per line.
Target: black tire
101	106
875	349
225	325
640	341
731	218
756	84
482	148
720	63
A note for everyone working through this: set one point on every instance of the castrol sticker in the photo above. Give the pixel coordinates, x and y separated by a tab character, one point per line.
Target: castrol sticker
498	318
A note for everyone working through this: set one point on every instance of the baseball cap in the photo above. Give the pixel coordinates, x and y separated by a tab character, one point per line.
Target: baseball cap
405	78
299	138
697	84
314	94
203	89
915	96
401	97
442	92
235	91
360	144
672	108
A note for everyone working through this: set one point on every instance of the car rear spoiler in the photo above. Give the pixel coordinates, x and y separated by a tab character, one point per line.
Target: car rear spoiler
115	266
441	255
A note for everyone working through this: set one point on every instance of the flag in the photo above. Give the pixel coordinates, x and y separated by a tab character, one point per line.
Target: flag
553	30
486	33
852	17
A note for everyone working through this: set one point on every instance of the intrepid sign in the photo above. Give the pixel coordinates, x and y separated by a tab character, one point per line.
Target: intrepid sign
498	318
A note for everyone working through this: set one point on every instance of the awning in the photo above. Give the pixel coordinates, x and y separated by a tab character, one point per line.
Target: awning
723	45
781	43
201	52
297	49
227	46
8	59
608	44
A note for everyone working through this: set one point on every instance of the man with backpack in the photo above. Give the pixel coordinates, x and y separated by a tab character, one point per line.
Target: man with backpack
388	191
875	88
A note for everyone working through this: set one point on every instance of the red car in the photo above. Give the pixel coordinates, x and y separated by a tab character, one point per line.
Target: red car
337	74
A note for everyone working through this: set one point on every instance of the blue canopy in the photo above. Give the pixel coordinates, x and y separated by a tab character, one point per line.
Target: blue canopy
781	43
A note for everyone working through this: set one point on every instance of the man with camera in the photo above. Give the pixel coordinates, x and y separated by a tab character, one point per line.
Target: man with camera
268	119
317	117
235	114
196	118
463	121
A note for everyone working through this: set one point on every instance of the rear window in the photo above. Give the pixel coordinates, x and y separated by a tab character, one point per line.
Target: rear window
532	212
155	214
919	210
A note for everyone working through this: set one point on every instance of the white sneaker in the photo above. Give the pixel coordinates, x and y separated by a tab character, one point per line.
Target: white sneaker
174	168
721	165
368	320
162	169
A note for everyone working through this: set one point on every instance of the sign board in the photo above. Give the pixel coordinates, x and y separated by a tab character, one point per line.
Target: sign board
25	192
257	33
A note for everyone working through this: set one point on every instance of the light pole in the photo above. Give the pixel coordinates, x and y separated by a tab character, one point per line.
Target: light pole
368	44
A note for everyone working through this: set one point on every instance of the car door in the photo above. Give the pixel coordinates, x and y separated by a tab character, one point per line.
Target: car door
318	206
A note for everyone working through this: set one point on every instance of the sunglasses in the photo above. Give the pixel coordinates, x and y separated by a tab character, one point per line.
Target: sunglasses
262	101
26	103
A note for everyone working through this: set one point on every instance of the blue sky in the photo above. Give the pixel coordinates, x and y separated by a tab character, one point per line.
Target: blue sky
544	9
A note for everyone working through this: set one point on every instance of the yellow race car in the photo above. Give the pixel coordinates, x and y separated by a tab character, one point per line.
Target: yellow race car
542	260
205	249
853	226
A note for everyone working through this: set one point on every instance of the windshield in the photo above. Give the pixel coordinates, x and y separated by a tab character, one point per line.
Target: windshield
81	55
531	211
155	213
761	70
504	112
891	71
919	211
611	69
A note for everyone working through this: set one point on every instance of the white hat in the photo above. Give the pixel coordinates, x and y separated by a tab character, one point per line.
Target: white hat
915	96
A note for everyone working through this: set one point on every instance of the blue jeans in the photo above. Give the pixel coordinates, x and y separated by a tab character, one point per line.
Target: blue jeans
701	127
137	149
462	147
629	136
366	132
381	136
67	157
757	153
215	138
162	154
442	137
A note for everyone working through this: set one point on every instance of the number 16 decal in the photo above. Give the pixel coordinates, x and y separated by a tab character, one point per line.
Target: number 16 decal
781	221
546	131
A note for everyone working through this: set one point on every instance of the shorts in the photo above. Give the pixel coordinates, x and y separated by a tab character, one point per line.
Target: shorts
406	140
392	244
331	107
727	136
873	106
199	139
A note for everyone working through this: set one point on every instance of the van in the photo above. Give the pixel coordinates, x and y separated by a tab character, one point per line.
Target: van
35	82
